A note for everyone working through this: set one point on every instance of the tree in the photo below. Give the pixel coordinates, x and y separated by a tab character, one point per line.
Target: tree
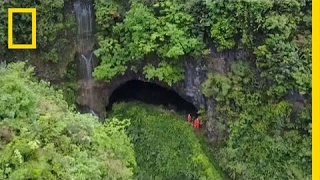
42	138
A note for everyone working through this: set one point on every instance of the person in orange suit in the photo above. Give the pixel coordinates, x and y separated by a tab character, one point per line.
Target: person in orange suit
196	124
189	118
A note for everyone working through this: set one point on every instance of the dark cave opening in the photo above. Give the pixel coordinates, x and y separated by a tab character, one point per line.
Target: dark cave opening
151	93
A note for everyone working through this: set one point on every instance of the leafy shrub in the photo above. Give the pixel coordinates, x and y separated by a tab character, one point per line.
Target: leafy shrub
42	138
263	106
52	26
166	147
127	38
262	138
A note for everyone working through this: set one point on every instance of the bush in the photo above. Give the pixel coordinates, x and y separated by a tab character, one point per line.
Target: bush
42	138
166	147
162	29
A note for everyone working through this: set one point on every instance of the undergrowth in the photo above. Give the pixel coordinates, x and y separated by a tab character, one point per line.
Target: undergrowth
166	146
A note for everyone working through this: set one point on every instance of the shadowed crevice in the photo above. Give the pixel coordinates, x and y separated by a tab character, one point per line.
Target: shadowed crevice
150	93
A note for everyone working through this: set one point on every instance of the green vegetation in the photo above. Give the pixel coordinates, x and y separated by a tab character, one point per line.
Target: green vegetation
53	26
265	134
263	104
166	146
163	29
69	86
42	138
261	137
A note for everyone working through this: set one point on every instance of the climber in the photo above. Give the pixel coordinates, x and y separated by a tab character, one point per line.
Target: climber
196	124
189	118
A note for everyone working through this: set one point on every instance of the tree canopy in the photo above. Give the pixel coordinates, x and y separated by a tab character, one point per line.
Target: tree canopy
42	138
262	103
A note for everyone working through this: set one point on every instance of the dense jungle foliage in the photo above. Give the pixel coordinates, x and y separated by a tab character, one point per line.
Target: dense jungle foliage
53	27
41	138
262	103
166	147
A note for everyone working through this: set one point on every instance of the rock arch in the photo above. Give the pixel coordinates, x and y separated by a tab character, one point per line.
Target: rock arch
151	93
188	89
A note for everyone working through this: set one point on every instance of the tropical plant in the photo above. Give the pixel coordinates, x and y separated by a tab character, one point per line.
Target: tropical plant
42	138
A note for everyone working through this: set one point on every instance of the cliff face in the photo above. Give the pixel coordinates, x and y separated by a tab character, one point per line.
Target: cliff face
55	32
189	89
262	94
78	61
96	94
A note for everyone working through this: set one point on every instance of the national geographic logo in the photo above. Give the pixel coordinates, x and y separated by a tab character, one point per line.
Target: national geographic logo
33	44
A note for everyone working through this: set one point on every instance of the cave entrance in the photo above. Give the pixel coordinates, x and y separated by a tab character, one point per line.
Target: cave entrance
150	93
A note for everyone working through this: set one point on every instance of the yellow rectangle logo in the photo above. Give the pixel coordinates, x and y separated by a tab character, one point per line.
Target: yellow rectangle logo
33	44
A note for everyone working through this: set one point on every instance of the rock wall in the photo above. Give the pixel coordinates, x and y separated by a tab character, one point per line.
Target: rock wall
190	88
